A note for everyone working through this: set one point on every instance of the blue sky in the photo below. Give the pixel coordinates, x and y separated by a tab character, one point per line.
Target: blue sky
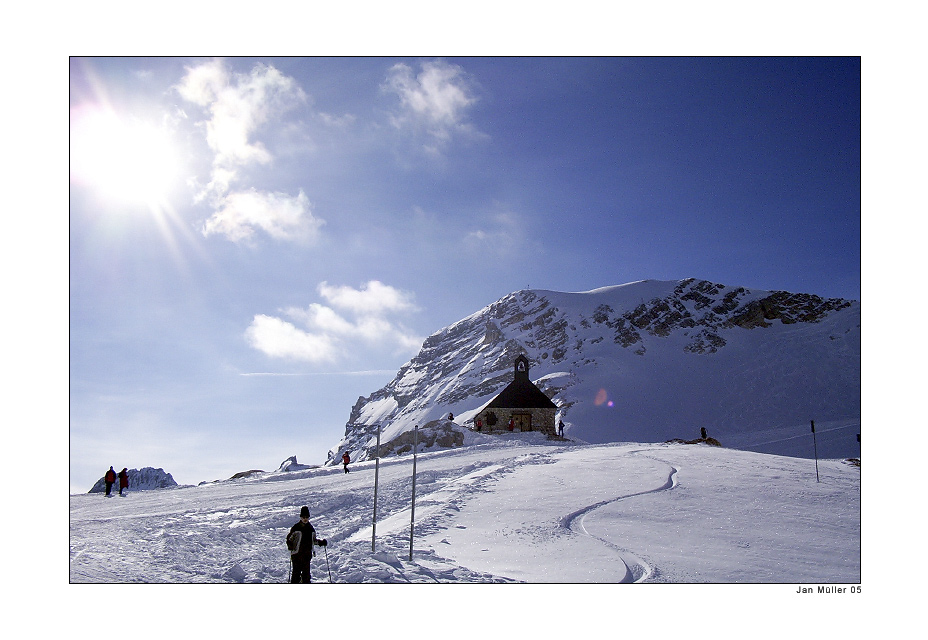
255	243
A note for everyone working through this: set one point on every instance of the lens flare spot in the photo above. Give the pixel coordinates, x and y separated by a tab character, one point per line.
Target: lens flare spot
601	398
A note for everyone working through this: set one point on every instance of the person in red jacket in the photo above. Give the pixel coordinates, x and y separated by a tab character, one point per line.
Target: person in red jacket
345	460
123	480
109	479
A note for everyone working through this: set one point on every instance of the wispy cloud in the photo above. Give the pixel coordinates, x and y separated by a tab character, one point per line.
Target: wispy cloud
435	101
369	372
321	333
279	215
238	106
501	231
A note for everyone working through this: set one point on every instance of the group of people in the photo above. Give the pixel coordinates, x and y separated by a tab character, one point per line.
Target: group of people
111	477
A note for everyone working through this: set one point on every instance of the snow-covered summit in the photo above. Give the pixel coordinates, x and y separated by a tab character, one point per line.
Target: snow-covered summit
644	361
290	464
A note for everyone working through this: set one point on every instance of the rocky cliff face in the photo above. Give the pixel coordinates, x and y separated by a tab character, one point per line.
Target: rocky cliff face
634	362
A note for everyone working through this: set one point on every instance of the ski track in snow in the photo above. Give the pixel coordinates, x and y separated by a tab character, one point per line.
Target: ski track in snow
638	569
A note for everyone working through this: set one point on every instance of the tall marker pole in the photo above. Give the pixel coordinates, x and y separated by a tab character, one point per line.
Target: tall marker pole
376	479
412	516
815	445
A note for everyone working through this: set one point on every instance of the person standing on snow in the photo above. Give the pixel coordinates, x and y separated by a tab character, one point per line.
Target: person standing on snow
123	480
301	556
345	460
109	479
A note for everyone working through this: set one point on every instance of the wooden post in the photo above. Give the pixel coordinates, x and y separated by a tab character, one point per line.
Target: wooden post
815	445
412	515
376	478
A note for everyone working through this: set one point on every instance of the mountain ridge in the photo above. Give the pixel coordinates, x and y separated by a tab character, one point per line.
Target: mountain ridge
645	361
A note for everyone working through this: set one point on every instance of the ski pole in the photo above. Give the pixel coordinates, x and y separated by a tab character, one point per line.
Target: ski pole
326	549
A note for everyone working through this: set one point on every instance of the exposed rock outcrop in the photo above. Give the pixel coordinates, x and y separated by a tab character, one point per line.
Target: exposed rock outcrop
655	354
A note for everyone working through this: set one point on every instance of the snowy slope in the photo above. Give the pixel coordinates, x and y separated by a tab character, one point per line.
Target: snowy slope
509	509
646	361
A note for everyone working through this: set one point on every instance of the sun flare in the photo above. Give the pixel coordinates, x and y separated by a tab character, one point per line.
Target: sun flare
124	160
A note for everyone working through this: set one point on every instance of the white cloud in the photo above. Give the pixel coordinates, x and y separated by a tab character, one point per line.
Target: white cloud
375	297
320	318
280	339
281	216
239	105
437	99
359	317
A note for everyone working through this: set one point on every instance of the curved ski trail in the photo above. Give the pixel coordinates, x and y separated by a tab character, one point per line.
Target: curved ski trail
638	569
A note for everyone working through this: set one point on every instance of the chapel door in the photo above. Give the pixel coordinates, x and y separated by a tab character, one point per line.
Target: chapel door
523	421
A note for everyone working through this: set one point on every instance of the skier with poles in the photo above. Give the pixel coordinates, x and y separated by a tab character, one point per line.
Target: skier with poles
300	541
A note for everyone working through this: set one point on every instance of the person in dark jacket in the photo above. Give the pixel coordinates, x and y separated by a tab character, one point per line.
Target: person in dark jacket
109	479
123	480
345	460
304	553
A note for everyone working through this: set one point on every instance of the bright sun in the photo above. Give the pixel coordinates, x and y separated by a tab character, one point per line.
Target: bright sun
124	160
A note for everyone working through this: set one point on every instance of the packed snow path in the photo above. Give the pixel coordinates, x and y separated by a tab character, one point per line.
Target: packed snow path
521	510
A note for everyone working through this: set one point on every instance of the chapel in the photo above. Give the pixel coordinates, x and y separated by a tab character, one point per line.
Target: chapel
522	403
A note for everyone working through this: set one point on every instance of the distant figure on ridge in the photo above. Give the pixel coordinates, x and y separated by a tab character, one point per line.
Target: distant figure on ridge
300	541
703	433
109	479
123	480
345	460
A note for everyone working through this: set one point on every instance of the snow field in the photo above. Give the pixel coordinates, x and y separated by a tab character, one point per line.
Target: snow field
519	510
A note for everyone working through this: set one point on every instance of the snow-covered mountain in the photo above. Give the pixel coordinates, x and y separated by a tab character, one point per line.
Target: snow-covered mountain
140	480
646	361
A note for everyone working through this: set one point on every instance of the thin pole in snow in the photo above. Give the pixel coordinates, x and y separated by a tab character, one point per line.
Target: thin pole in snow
412	516
376	479
815	445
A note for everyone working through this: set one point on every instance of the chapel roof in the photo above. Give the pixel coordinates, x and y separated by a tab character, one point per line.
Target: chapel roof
521	393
